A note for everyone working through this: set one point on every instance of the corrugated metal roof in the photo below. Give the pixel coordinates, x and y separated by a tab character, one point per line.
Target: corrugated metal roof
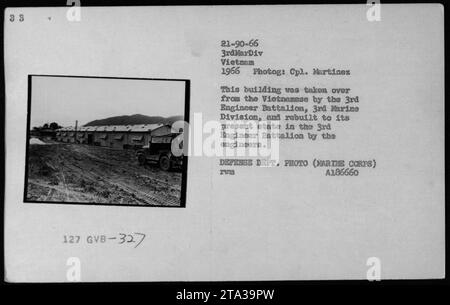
140	127
154	126
169	127
115	128
144	127
121	128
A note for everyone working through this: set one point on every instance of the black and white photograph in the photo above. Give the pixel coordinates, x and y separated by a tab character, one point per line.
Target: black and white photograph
105	141
209	146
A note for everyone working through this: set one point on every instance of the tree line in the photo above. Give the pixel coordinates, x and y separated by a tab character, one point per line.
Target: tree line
52	126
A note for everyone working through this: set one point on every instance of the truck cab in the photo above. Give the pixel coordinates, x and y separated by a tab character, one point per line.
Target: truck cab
160	150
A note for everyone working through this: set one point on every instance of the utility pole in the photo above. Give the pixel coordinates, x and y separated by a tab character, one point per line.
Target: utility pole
76	126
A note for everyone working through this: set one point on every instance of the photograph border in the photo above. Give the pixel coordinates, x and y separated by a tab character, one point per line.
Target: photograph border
187	93
286	290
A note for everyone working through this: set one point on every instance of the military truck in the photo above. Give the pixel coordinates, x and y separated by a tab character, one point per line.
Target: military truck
160	150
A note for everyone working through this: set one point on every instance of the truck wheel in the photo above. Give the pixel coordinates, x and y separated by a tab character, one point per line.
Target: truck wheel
164	163
141	159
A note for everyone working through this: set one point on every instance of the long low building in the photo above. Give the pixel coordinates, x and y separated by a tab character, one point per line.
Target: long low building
120	136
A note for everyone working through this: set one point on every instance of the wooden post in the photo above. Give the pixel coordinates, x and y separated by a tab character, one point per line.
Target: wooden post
76	126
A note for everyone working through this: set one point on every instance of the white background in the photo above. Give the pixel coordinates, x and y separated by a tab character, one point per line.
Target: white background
262	224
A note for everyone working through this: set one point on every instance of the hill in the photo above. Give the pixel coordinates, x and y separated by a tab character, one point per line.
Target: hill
135	119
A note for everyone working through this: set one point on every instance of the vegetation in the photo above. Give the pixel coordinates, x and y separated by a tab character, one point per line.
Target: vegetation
46	126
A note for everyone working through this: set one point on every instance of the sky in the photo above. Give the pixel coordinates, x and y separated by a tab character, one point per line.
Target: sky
66	99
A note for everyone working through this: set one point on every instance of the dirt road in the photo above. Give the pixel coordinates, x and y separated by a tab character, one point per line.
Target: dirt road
90	174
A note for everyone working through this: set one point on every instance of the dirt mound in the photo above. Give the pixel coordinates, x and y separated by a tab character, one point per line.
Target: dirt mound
34	141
